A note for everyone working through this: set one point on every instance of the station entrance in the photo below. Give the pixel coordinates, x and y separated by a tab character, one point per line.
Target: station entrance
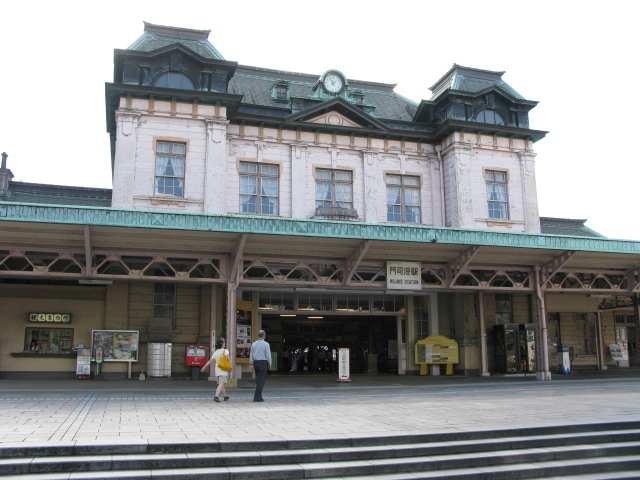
309	344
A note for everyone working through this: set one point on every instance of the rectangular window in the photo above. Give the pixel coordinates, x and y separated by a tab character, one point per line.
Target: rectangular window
403	199
259	188
497	194
170	159
334	191
48	340
503	308
164	301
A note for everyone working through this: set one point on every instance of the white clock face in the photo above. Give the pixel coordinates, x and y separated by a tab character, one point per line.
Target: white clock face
333	83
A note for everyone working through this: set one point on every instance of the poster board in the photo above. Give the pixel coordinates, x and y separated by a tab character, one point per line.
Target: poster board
246	333
117	345
618	352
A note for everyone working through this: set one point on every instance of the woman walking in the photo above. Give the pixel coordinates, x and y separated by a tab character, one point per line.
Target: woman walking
221	375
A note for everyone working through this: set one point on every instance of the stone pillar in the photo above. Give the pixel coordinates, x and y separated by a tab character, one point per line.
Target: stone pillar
459	196
371	186
529	192
298	180
215	166
125	159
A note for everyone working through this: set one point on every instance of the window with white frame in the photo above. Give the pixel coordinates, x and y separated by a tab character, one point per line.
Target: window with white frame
497	194
170	160
503	308
259	188
334	191
403	199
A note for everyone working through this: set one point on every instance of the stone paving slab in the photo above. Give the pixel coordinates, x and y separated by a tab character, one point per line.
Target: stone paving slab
299	408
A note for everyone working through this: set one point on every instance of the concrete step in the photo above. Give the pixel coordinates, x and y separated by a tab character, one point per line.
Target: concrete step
569	469
455	454
541	454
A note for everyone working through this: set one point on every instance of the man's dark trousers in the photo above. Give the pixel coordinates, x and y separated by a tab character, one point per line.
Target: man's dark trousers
261	367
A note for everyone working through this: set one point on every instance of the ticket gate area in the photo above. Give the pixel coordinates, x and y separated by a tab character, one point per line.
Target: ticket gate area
310	346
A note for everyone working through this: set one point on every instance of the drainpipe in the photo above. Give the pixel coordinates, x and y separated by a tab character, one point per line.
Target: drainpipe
545	374
602	365
442	208
483	336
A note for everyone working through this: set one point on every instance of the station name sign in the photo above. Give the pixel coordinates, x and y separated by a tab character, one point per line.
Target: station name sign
403	276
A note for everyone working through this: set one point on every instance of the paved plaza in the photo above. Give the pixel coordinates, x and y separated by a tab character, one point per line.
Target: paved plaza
301	407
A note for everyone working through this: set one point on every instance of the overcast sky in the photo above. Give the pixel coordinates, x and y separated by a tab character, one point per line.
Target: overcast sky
577	58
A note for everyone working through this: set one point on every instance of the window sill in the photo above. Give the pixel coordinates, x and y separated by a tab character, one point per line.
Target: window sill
174	201
47	355
499	222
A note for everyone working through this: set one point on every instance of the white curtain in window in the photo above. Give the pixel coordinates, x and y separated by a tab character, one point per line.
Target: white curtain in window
393	196
412	197
343	195
270	187
497	192
170	166
323	191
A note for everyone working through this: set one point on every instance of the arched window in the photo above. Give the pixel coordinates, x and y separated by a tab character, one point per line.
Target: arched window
490	116
174	80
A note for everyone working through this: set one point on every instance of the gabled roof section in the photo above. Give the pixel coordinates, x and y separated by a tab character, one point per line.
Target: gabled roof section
471	80
567	226
22	192
336	108
158	36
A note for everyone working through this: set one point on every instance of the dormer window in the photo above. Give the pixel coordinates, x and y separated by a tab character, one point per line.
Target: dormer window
357	97
280	91
174	80
490	116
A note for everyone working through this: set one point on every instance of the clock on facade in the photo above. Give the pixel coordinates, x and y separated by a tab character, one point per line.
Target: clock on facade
333	83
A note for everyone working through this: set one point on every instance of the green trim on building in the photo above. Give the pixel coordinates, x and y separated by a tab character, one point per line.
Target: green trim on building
98	216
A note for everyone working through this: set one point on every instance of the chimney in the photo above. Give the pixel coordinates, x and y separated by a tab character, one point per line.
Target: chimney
5	177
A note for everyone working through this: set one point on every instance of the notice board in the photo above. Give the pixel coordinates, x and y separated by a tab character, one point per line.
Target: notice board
117	345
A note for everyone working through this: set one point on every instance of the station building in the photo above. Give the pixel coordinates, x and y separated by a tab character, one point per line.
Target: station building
330	212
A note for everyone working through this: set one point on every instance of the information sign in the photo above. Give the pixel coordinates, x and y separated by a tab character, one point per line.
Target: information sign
436	350
343	365
83	364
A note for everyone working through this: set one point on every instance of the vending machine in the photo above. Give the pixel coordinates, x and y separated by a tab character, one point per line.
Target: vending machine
528	347
515	348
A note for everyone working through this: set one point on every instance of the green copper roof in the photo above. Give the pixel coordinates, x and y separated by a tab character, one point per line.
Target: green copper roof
304	227
159	36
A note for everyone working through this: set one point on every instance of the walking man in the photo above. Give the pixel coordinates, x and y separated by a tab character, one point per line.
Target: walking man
260	362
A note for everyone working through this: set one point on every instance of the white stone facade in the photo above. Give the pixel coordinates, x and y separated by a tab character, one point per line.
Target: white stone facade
452	172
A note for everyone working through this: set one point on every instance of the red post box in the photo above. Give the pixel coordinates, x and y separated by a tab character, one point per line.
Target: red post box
195	355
